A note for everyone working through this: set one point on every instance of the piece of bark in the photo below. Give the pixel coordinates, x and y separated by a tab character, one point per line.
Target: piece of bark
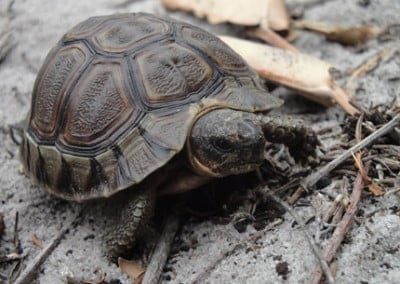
310	76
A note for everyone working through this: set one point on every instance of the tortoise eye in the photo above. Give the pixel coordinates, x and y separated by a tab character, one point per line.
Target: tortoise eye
222	145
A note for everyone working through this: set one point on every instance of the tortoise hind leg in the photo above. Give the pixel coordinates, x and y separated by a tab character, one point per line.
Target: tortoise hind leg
126	217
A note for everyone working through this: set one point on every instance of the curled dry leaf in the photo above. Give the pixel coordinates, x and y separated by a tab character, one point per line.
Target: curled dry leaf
352	35
306	74
264	13
132	268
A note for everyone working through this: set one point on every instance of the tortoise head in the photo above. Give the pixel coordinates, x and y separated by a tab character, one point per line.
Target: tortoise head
226	142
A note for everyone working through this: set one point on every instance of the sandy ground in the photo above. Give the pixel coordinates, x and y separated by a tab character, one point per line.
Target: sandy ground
372	253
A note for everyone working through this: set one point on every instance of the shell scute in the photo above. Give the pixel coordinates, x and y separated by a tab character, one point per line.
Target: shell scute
223	55
52	84
171	73
123	34
100	106
142	157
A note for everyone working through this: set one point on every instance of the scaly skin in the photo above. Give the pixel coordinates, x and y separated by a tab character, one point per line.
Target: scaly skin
301	140
126	217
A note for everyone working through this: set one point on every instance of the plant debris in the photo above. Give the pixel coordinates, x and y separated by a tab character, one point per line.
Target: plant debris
264	13
2	225
262	17
36	242
100	280
306	74
341	229
132	268
161	251
369	65
353	35
6	40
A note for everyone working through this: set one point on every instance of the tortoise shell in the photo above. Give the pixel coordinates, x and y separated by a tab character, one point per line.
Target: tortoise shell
115	100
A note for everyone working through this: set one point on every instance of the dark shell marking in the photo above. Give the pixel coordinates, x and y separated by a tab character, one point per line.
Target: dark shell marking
116	97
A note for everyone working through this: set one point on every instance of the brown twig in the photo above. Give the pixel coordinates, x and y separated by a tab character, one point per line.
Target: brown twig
2	225
206	272
314	247
312	179
16	241
369	65
341	228
161	252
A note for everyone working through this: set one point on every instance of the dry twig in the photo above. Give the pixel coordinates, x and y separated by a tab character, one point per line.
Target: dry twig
161	252
312	179
2	225
369	65
17	242
341	229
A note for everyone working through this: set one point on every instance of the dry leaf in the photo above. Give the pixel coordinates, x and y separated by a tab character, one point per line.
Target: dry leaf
264	16
374	188
132	268
306	74
264	13
36	242
352	35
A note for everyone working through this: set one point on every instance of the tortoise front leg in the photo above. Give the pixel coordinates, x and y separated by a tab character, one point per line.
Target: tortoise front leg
126	217
301	140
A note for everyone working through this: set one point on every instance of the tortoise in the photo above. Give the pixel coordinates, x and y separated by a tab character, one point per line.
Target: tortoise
134	105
